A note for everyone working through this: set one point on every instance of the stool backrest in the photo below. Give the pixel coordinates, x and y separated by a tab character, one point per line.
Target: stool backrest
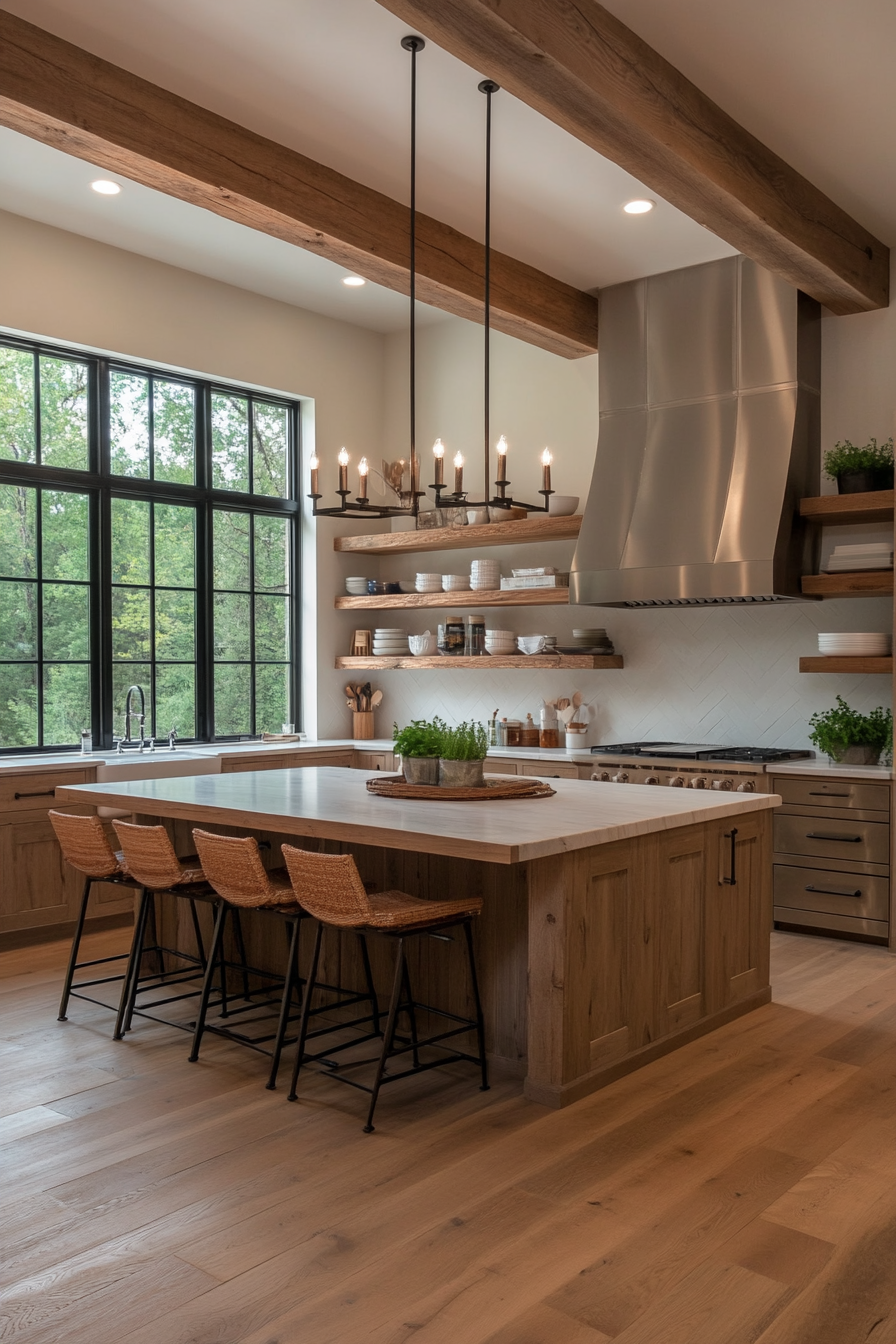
149	855
232	864
84	844
328	886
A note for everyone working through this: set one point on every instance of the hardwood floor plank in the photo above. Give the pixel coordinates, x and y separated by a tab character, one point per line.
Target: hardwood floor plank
776	1252
716	1304
543	1325
34	1120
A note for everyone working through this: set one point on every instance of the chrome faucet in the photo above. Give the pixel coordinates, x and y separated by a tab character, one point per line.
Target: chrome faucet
141	717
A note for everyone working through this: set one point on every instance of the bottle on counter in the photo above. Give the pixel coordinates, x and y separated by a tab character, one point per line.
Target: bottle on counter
493	730
549	730
529	735
86	741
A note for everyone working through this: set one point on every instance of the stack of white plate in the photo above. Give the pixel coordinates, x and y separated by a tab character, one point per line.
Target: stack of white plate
429	583
855	645
485	575
388	643
455	583
862	555
356	587
500	641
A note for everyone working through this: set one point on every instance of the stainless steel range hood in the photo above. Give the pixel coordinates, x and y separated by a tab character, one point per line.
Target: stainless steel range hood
709	437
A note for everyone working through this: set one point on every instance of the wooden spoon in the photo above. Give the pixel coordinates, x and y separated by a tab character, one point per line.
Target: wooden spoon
376	699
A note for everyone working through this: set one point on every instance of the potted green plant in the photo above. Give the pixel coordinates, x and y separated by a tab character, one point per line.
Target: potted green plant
464	749
420	745
858	469
851	738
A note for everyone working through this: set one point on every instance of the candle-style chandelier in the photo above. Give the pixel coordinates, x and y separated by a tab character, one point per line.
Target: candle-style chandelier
360	506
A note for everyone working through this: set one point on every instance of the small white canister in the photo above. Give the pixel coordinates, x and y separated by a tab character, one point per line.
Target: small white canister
576	734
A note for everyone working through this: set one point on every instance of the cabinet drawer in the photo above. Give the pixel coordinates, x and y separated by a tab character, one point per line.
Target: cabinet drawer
20	792
549	770
853	894
832	793
858	841
374	760
497	766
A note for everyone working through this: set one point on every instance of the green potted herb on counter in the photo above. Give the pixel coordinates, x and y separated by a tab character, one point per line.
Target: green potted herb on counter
464	750
851	738
858	469
419	745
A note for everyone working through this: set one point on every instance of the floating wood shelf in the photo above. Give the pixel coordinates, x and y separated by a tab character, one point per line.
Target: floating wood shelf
539	662
846	664
869	583
463	538
875	507
518	597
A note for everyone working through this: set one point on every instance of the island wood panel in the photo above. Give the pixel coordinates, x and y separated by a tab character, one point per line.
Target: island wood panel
842	664
581	67
71	99
511	533
519	597
738	918
537	662
875	506
231	765
867	583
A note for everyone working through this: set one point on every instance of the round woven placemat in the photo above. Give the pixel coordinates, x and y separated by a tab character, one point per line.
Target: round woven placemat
491	790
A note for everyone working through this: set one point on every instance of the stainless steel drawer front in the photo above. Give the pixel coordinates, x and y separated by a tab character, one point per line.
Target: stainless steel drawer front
856	841
855	895
832	793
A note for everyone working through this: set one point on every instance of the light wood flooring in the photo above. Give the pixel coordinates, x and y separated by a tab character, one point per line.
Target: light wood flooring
741	1189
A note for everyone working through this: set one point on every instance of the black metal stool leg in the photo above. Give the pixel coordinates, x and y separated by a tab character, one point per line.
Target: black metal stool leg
371	990
480	1023
73	958
237	926
411	1010
215	955
132	973
289	982
197	934
306	1010
389	1034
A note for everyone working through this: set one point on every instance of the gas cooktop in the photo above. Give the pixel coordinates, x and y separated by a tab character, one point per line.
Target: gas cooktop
700	751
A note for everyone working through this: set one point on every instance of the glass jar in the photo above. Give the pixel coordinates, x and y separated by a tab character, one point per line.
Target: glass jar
474	643
454	640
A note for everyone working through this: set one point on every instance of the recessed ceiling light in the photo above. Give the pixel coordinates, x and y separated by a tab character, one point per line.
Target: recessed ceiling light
354	281
106	188
638	207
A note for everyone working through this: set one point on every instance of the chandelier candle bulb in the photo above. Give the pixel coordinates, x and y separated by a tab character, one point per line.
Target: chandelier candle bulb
315	479
502	461
546	460
363	469
342	459
458	473
438	452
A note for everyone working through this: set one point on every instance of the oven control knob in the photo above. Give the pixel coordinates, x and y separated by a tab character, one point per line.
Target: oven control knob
652	779
621	778
748	786
676	781
698	782
723	784
603	777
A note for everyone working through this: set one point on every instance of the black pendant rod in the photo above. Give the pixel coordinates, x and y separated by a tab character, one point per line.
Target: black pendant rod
489	88
413	44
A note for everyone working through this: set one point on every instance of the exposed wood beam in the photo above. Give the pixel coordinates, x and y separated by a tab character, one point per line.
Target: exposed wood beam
70	99
579	66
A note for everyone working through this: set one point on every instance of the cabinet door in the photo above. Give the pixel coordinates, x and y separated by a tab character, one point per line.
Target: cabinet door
549	770
37	886
374	760
738	914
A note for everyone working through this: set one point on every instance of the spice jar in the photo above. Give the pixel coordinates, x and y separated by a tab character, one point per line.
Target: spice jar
529	733
452	644
474	644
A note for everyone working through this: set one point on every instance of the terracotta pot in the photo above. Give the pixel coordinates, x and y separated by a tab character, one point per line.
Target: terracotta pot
461	774
420	769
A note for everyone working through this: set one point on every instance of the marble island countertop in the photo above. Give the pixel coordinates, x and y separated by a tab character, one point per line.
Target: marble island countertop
331	803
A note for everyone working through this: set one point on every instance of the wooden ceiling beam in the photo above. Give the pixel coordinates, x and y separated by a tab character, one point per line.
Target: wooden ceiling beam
72	100
578	65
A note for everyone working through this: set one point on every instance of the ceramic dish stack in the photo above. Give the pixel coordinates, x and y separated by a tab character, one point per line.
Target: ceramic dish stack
388	643
588	641
455	583
500	643
855	645
485	575
429	583
356	587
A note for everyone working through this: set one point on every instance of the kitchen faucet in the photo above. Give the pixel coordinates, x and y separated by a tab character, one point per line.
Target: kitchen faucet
141	718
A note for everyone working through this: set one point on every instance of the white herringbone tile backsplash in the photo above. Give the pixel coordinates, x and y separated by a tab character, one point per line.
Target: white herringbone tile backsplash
727	675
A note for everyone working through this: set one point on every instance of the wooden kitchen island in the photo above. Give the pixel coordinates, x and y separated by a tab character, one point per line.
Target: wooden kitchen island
611	932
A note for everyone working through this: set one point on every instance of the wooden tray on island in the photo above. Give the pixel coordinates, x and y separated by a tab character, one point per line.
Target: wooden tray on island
491	791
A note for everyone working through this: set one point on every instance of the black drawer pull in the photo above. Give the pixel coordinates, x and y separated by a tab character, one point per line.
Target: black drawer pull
833	891
823	793
44	793
826	835
731	881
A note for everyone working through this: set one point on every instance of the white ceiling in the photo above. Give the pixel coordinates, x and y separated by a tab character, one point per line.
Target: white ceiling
328	77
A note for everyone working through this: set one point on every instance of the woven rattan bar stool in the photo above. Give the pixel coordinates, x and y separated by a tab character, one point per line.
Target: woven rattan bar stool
330	888
84	845
150	858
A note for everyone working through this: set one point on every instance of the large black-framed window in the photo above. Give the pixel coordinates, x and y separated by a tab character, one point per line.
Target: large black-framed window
148	536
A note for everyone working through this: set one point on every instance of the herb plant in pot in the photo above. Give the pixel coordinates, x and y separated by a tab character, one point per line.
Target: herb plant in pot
858	469
464	749
419	745
851	738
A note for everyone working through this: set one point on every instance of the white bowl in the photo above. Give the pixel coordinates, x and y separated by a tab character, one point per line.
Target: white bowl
423	645
455	583
530	643
562	505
